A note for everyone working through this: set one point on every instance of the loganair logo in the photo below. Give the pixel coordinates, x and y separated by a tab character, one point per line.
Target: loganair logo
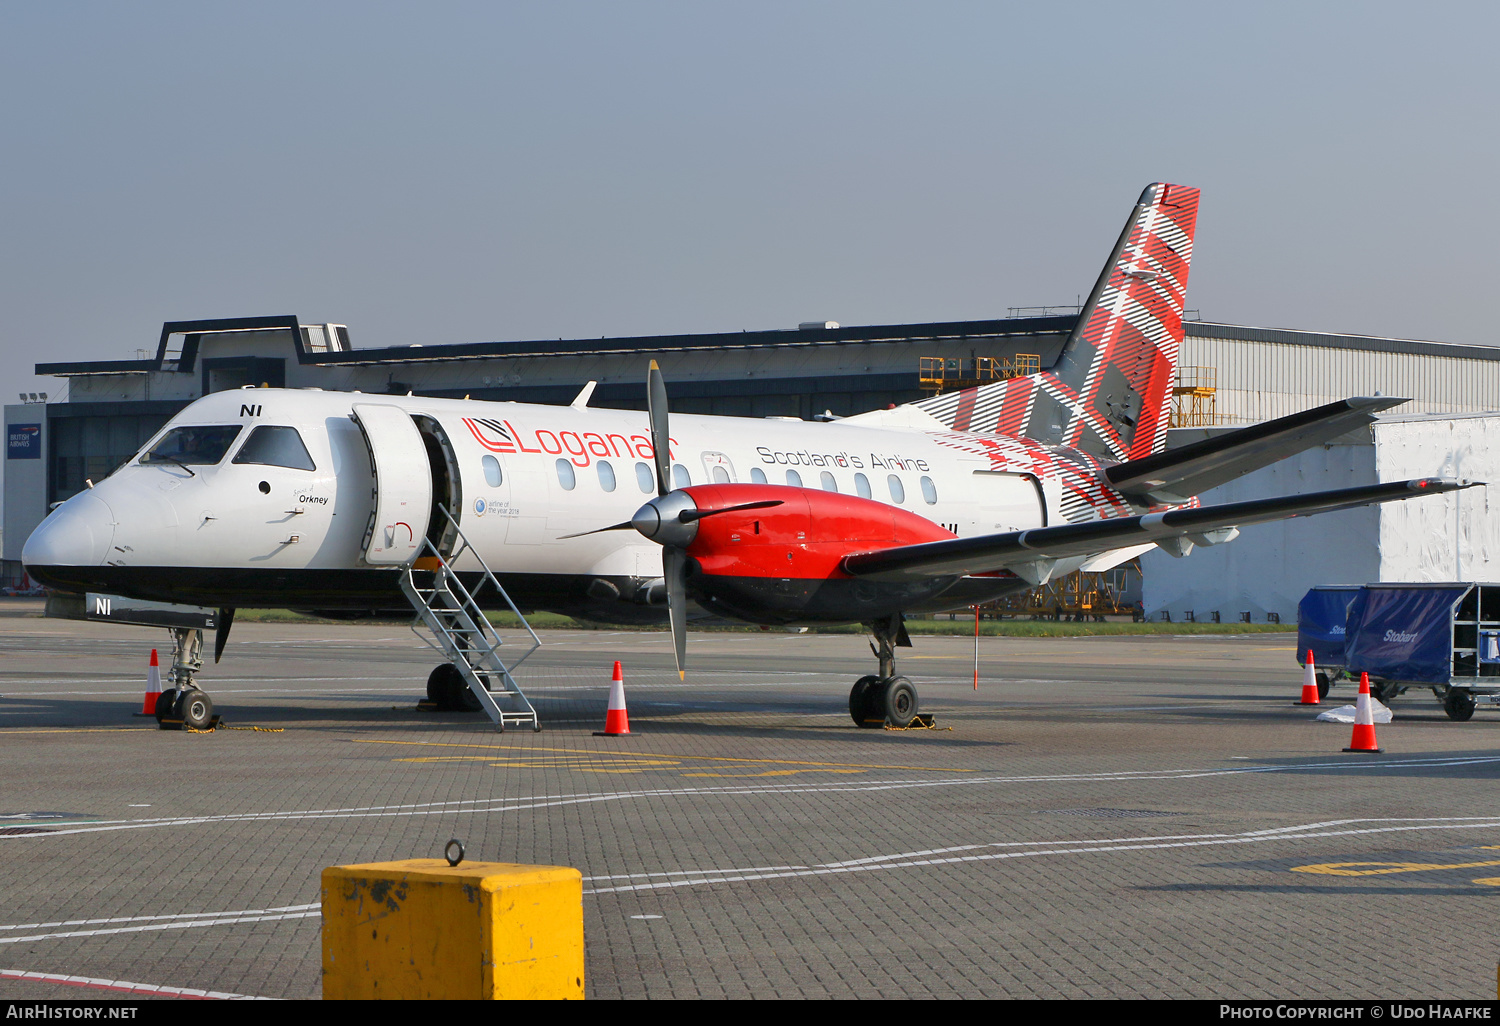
1400	636
491	434
502	436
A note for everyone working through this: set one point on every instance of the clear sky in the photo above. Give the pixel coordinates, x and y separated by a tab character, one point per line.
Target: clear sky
452	172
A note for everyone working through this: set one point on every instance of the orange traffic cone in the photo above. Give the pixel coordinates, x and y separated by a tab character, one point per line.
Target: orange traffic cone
1309	683
153	688
616	720
1363	739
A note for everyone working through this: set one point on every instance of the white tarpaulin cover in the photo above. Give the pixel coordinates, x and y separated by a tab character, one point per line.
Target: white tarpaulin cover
1345	713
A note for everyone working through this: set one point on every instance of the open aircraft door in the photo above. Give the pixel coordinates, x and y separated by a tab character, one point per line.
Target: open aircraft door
403	484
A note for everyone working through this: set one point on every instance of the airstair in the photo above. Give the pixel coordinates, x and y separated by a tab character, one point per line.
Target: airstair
462	633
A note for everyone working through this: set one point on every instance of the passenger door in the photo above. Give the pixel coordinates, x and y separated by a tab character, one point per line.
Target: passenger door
402	484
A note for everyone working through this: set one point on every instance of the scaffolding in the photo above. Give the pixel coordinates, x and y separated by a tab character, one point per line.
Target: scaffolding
941	374
1194	398
1077	596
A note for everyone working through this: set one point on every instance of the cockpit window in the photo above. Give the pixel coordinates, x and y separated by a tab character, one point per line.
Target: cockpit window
195	445
275	447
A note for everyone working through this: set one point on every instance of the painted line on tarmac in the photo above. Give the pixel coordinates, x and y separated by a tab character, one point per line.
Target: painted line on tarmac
171	915
176	925
124	987
911	860
651	755
532	802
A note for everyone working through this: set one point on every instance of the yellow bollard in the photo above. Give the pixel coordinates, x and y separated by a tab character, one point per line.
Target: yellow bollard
435	928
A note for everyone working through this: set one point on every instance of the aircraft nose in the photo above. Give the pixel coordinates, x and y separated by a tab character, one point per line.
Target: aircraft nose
77	533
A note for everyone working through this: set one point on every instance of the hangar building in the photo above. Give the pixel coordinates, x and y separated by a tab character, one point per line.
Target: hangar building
1229	375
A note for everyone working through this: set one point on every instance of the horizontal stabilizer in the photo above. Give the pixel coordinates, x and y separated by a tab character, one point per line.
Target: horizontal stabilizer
1042	545
1176	475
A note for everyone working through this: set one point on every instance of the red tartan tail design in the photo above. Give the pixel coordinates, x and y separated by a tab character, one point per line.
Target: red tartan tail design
1110	392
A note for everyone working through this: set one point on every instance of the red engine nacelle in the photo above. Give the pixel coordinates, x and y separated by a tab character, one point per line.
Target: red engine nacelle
780	564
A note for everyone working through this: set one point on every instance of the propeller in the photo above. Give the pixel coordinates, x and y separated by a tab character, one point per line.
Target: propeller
670	519
221	632
674	537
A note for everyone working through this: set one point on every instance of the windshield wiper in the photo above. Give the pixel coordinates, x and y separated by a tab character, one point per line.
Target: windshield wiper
151	457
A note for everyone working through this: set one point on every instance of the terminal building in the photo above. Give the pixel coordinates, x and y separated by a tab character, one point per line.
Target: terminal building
1229	376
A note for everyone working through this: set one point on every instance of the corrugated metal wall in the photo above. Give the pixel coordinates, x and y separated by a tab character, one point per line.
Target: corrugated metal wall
1261	380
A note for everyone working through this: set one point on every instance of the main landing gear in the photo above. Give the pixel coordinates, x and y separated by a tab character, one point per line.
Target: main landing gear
884	699
182	706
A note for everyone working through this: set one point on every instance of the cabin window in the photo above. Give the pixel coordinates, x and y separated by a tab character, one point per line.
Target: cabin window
644	479
606	475
862	486
929	491
827	481
198	445
721	476
270	446
492	475
794	479
898	490
565	475
680	476
757	475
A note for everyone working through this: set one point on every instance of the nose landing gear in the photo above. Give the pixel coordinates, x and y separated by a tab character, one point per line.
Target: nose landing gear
183	705
885	699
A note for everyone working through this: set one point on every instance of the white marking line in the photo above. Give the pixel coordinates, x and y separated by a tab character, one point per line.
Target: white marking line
125	987
183	925
173	915
909	861
553	801
691	872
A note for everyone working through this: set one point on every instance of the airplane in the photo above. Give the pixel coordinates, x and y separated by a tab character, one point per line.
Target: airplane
318	500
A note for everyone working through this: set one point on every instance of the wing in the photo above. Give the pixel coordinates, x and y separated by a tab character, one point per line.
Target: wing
1178	474
1030	553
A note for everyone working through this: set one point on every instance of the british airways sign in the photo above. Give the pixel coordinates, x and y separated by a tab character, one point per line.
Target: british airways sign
23	442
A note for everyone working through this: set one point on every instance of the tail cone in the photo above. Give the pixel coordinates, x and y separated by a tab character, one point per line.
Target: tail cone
616	720
1363	739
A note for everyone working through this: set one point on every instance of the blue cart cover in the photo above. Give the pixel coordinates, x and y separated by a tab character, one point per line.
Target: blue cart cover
1320	623
1403	634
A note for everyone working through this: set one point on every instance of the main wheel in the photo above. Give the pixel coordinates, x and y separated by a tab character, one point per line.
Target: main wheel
449	691
1385	691
859	700
1323	685
442	686
195	709
900	702
1458	703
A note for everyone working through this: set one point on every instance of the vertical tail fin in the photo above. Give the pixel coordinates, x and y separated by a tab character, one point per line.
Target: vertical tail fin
1111	390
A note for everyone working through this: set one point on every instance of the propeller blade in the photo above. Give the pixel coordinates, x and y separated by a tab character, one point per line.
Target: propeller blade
225	620
687	516
661	442
674	570
597	530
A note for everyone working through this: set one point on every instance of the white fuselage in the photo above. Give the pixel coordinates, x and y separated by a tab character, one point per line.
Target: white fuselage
526	477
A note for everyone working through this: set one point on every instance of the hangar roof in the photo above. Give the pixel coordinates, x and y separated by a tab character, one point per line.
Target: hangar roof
722	341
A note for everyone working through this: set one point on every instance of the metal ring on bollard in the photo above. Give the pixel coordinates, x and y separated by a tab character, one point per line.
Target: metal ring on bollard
453	859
